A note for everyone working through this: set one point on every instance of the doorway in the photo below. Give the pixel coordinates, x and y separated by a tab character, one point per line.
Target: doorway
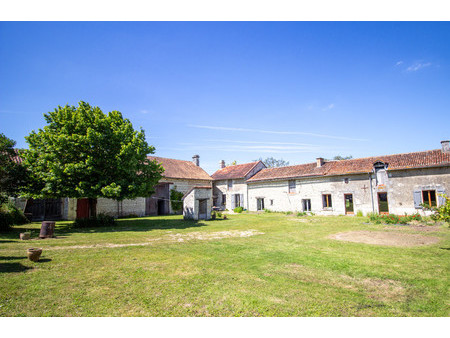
306	205
161	207
260	204
348	204
383	206
202	209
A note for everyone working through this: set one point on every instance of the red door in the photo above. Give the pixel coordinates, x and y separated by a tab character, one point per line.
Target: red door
83	208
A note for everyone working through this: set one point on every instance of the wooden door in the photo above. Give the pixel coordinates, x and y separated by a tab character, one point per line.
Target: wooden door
83	208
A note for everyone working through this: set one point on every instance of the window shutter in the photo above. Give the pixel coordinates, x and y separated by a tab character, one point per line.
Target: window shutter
417	199
233	202
241	200
441	199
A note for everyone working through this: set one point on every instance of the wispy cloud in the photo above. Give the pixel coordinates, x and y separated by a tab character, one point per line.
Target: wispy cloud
263	147
399	63
417	66
144	111
261	142
330	106
268	147
248	130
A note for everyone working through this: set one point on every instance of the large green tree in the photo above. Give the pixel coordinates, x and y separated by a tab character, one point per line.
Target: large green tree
12	174
84	153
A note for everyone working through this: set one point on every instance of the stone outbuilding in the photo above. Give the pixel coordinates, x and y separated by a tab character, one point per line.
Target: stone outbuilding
178	175
197	203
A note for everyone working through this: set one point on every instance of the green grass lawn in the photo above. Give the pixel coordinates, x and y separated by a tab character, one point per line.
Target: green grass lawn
286	268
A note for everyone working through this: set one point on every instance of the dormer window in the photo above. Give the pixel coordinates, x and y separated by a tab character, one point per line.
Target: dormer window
380	171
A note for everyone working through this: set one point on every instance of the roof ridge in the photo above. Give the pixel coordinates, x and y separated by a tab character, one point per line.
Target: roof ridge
174	159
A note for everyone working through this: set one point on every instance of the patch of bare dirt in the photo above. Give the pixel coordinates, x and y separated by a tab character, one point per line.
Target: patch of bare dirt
169	238
398	239
379	289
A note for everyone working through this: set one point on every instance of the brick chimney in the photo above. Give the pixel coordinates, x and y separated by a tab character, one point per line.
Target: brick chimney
222	164
196	160
445	146
320	162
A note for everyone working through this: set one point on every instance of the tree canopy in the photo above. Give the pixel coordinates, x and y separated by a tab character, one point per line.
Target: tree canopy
271	162
12	174
84	153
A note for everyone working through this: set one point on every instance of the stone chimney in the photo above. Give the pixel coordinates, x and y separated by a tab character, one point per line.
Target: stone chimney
320	162
196	160
445	146
222	164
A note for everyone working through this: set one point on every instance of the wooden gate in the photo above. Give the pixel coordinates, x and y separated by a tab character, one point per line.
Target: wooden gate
44	209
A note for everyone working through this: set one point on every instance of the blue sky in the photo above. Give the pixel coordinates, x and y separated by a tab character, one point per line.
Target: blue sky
238	90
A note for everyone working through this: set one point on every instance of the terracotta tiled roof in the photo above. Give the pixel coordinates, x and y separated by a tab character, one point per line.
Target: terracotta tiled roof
234	171
430	158
181	169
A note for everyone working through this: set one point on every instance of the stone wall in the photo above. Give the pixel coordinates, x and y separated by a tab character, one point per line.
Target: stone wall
121	208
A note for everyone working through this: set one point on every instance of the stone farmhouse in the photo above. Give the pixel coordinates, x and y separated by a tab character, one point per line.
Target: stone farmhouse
383	184
395	184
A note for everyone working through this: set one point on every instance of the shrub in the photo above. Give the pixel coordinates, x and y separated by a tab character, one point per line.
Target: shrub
6	221
288	212
219	214
10	215
238	210
267	211
100	220
299	214
441	213
175	200
359	213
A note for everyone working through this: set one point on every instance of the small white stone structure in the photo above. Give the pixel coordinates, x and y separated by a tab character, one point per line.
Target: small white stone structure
197	203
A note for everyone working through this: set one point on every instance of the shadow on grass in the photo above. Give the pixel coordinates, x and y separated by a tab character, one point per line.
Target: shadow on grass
13	267
43	260
134	224
131	224
11	258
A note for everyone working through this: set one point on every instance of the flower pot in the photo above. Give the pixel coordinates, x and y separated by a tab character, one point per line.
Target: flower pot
24	236
34	254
